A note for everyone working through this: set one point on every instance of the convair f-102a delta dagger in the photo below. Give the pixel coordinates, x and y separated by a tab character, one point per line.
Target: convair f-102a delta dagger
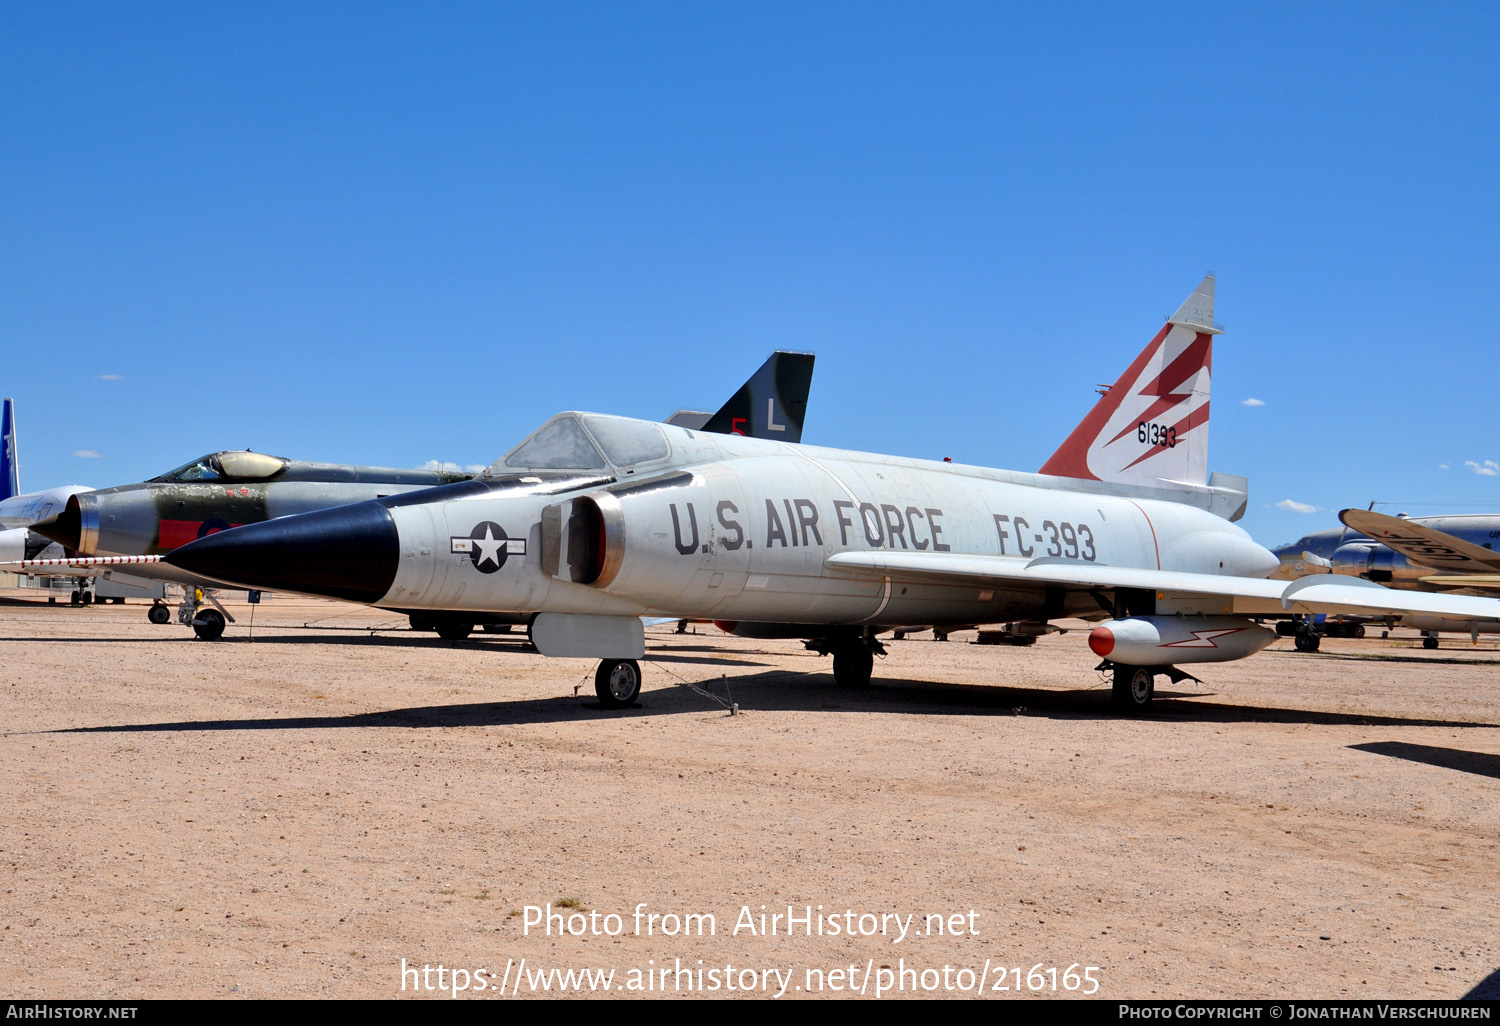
594	521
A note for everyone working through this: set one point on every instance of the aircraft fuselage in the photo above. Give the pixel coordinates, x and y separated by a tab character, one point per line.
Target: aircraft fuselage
743	535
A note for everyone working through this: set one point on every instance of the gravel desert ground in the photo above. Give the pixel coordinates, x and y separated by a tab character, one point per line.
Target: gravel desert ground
296	814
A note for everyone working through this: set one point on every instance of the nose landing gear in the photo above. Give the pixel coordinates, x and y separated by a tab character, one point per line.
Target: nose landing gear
194	611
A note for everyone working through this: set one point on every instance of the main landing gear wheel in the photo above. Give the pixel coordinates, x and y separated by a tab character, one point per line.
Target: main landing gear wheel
209	625
852	667
617	682
455	631
158	614
1429	643
1133	688
1306	641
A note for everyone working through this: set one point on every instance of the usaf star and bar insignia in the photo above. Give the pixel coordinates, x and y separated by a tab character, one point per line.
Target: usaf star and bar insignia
487	546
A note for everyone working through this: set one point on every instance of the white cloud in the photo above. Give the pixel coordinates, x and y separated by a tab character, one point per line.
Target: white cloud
1443	466
110	377
453	468
1296	507
87	454
1489	468
1252	402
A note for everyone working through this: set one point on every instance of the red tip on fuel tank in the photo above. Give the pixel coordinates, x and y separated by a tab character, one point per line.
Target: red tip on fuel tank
727	626
1102	641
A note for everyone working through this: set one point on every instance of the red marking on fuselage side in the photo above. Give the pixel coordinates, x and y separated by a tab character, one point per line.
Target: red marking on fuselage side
1154	543
1072	457
176	533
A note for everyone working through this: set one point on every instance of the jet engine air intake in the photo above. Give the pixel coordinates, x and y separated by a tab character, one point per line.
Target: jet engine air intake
583	540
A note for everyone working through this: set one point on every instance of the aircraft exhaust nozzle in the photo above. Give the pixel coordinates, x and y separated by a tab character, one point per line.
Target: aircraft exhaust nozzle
1165	640
67	528
347	552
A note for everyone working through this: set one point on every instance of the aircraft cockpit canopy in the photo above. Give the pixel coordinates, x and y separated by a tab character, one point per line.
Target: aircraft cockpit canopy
229	466
587	441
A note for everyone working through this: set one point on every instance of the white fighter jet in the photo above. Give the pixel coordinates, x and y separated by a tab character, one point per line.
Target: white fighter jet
594	521
19	510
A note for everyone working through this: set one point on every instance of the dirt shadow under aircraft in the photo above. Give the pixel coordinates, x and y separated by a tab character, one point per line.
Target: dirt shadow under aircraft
1481	763
795	692
1487	989
1381	657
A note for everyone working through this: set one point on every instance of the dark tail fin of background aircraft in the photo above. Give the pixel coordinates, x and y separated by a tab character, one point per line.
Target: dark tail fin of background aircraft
10	482
770	405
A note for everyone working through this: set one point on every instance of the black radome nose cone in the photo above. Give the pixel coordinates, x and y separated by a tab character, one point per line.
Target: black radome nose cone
348	552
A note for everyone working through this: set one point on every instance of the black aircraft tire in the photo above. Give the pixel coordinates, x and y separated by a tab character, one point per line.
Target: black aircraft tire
617	682
1133	688
210	625
455	631
1359	630
1306	641
1429	643
852	667
158	614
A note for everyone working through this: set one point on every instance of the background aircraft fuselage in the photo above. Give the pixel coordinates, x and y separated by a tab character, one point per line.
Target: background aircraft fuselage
157	516
1358	555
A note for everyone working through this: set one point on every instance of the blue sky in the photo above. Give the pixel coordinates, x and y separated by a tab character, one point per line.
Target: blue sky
390	233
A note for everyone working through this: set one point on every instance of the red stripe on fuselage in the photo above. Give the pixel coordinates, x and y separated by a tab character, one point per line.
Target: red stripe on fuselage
1155	544
176	533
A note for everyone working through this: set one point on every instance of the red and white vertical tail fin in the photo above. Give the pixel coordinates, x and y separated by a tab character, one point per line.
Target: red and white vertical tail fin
1151	427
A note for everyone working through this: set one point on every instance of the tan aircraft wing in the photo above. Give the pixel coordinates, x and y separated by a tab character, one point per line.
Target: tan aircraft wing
1422	545
1324	593
1463	580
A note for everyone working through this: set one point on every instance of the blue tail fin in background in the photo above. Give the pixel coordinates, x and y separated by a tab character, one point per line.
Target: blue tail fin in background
10	483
